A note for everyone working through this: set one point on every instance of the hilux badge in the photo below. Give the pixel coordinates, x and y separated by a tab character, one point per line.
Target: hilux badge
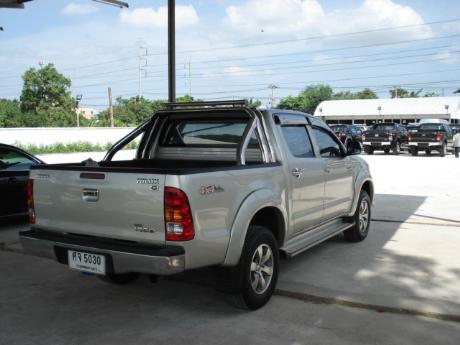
142	228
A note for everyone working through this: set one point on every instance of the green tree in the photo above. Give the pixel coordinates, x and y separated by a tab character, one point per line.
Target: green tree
254	103
10	113
363	94
403	93
46	98
308	99
458	91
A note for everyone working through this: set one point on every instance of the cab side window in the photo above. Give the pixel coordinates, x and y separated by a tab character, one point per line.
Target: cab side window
298	141
328	146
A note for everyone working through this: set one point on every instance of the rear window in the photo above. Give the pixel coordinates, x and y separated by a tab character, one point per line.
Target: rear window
205	133
338	129
431	127
383	127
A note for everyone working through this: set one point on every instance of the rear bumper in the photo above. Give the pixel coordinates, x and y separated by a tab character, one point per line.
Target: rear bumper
424	144
377	143
122	257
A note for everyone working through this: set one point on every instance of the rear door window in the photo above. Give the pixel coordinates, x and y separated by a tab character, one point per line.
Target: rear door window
298	141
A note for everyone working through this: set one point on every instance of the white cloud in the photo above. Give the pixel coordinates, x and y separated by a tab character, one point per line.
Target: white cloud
74	9
148	17
307	17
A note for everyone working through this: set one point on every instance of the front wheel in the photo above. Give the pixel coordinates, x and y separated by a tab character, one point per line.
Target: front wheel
258	268
362	219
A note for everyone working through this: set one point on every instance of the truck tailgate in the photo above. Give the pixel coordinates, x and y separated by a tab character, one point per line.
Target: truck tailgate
126	206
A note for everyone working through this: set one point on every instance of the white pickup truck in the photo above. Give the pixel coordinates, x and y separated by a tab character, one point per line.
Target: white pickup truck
213	184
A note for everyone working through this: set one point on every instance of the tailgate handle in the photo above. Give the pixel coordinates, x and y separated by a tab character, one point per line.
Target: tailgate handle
90	195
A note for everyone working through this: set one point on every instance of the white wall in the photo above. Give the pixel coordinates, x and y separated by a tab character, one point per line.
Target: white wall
47	136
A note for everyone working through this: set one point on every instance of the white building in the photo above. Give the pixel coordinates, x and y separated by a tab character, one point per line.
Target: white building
401	110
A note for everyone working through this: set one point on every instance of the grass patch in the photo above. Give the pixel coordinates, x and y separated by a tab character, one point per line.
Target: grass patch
81	146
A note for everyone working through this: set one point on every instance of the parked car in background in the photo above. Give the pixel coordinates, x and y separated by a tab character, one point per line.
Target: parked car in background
385	137
349	135
14	173
431	137
455	127
361	127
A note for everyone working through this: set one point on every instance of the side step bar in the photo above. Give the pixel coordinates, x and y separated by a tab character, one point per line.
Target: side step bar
310	238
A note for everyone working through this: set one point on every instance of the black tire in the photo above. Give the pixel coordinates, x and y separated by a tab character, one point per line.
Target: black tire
414	152
443	150
428	152
362	218
397	148
369	150
242	277
119	279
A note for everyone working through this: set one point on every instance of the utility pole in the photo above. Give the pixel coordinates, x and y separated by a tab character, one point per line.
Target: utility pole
171	51
142	63
272	98
110	107
77	103
190	76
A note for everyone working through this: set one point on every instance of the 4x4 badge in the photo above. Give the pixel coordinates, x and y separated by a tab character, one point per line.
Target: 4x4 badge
211	189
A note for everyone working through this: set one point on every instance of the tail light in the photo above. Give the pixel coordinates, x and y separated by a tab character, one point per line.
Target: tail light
178	216
363	137
409	136
390	137
341	136
30	201
437	136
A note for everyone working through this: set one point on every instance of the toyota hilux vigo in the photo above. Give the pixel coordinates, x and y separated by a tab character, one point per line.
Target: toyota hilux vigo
212	184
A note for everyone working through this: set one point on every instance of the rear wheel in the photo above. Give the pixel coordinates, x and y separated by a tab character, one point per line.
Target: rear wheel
397	148
387	151
369	150
443	150
414	152
428	152
362	219
257	272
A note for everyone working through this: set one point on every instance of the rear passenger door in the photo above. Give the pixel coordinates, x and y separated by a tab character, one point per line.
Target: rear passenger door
306	178
338	169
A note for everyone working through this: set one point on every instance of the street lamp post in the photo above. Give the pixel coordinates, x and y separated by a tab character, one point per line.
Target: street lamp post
77	102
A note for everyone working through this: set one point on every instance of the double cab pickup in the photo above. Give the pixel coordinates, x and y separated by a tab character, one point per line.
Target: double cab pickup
212	184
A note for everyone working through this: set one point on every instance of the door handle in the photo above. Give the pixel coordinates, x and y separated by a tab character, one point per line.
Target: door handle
297	172
327	170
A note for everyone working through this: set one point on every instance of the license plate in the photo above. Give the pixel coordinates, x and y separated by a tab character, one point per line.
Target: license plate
87	262
366	143
376	135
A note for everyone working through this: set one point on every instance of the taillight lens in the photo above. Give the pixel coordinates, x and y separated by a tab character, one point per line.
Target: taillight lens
390	137
178	216
30	201
363	137
341	136
437	136
409	136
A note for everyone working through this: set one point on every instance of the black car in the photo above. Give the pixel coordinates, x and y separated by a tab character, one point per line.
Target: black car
14	173
385	137
349	135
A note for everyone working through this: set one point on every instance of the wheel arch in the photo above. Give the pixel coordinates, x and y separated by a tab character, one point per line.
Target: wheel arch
261	208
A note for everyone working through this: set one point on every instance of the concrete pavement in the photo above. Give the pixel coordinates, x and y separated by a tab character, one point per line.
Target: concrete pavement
42	302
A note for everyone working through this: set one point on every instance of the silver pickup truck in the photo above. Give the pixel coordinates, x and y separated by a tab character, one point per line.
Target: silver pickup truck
212	184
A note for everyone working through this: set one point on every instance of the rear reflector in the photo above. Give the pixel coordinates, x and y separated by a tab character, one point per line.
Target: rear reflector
92	176
178	216
30	201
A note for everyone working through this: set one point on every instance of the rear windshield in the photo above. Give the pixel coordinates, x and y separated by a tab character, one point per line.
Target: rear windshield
431	127
192	132
383	127
337	129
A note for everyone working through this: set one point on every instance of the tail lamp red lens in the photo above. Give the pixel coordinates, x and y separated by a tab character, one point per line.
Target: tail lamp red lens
363	137
30	201
390	137
341	136
409	136
437	136
178	216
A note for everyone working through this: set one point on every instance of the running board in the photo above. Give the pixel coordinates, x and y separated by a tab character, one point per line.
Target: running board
312	237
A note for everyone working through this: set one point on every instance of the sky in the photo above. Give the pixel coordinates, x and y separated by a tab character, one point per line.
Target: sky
235	49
